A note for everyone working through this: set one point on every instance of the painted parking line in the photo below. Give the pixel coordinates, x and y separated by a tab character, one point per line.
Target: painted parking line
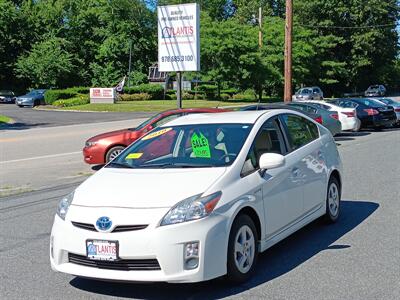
39	157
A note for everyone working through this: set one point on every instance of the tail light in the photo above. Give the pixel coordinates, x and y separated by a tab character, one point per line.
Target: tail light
318	120
349	114
334	116
397	109
371	111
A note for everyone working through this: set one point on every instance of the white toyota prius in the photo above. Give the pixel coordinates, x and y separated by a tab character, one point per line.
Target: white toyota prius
199	198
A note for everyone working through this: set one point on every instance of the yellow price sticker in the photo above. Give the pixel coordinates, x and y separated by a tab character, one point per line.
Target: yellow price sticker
156	134
134	155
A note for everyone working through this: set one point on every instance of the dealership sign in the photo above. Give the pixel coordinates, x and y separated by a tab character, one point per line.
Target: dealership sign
178	37
102	95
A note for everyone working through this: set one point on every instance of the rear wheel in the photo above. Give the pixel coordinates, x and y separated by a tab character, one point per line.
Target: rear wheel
113	153
242	249
333	196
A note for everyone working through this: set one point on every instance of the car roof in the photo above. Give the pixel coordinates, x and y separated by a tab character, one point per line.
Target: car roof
233	117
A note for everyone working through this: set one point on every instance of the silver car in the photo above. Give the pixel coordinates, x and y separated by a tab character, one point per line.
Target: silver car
330	119
33	98
308	93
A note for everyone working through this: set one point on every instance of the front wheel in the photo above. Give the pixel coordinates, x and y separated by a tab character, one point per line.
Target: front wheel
333	201
113	153
242	249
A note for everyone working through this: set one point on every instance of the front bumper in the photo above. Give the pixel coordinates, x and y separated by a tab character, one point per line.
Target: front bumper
165	244
94	155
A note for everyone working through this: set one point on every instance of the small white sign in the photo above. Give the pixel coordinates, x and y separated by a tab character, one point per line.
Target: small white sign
179	37
102	95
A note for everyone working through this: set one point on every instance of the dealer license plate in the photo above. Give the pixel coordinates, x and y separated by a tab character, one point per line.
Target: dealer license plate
102	250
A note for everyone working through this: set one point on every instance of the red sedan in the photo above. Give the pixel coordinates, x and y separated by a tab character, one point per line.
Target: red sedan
104	147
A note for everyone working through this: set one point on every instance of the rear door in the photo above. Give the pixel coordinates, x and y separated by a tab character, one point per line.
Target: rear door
307	161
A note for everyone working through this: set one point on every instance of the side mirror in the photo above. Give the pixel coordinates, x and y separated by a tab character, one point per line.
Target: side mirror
271	161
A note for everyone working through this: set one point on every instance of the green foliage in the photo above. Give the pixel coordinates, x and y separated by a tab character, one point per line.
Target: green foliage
78	100
51	96
136	97
155	90
225	97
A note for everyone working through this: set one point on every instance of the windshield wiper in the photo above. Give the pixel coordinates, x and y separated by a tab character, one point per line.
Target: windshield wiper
175	165
118	165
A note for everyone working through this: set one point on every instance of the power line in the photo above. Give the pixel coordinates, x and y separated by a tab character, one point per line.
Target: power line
352	27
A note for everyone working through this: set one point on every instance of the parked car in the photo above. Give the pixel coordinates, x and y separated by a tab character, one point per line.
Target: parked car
316	117
104	147
228	187
330	119
394	104
308	93
7	96
33	98
347	116
376	90
372	113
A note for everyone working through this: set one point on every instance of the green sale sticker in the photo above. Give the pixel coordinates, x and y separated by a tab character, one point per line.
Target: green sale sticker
200	146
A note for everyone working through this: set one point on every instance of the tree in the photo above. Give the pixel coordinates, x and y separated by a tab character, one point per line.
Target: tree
49	64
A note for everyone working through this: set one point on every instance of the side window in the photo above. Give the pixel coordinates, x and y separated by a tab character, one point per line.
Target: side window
300	131
166	119
268	140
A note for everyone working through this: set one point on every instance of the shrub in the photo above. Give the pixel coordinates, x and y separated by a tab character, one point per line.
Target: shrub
156	91
136	97
209	90
187	96
79	100
225	97
52	95
243	97
230	92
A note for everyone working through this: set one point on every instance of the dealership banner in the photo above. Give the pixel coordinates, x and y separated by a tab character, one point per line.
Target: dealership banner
178	37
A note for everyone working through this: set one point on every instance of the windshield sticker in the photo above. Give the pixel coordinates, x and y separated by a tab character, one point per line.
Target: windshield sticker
156	134
134	155
200	146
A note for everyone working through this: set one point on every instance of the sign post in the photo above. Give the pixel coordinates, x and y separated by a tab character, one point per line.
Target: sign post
179	40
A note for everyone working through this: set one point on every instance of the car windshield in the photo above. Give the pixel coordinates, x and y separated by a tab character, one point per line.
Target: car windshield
6	93
373	87
148	121
34	92
186	146
305	91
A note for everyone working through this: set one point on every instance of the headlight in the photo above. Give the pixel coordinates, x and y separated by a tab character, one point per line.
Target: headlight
192	208
64	204
90	144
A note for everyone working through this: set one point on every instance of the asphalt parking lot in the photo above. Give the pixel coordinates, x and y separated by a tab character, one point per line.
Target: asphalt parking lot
356	258
26	117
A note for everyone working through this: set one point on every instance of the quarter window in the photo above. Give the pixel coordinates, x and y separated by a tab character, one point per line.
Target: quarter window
300	131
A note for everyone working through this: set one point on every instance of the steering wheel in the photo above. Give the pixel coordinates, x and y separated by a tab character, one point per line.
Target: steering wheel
227	155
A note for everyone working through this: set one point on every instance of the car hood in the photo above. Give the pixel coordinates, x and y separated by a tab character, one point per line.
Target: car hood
122	132
144	188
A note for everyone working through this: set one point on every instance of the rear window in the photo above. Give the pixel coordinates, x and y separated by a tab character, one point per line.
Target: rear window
371	102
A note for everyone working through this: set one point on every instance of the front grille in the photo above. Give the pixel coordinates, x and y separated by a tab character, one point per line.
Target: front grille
119	265
120	228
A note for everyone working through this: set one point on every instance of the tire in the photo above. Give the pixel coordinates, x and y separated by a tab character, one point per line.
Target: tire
113	153
333	198
240	267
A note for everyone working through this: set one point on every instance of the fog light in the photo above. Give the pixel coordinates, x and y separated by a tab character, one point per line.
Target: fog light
191	255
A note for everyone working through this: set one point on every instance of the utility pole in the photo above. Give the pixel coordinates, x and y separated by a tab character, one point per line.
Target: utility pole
130	62
260	27
179	89
288	51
